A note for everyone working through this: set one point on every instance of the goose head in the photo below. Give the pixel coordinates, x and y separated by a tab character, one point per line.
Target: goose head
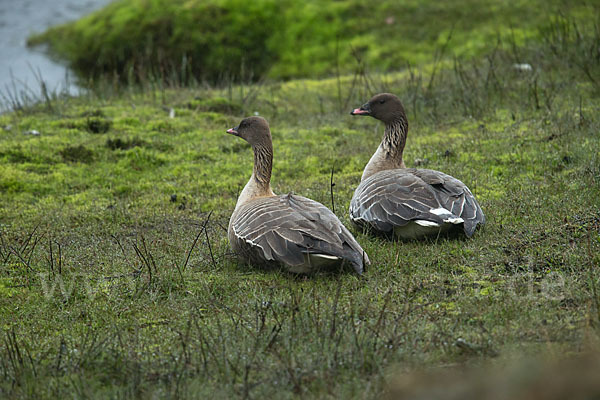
254	130
385	107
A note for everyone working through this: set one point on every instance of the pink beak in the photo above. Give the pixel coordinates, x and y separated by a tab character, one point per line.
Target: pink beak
232	131
358	111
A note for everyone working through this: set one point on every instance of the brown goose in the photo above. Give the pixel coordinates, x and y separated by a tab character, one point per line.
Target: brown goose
405	202
286	230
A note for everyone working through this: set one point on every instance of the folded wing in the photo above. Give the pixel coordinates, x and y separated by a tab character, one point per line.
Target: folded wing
395	198
287	229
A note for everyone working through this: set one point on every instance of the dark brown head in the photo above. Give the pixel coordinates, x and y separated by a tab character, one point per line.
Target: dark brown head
385	107
254	130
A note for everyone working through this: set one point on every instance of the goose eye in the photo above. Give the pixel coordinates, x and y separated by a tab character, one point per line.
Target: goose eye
381	101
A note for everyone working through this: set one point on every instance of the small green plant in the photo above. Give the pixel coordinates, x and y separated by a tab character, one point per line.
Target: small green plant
124	144
78	153
97	125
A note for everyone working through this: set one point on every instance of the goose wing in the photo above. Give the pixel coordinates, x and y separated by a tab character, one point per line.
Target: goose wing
454	196
396	197
286	228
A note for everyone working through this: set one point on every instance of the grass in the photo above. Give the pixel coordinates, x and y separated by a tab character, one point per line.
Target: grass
116	279
216	40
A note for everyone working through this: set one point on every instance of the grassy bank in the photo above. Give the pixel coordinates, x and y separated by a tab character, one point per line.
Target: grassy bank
215	40
116	278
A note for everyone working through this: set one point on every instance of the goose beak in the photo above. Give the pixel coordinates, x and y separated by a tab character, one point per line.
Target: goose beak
233	131
365	109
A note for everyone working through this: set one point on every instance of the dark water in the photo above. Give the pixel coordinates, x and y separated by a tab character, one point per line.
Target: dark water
20	67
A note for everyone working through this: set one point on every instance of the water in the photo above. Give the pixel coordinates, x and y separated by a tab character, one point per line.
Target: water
21	68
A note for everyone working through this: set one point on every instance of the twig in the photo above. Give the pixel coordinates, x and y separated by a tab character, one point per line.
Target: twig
581	117
59	258
123	251
26	243
144	260
20	257
535	93
149	255
194	243
51	261
208	241
331	185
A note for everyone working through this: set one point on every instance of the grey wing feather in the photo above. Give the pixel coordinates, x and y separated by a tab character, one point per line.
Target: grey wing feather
283	229
396	197
392	198
456	197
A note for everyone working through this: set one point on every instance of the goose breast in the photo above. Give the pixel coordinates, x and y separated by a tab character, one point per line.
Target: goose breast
411	203
293	231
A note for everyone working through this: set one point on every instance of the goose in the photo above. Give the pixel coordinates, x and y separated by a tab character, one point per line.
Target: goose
407	203
289	231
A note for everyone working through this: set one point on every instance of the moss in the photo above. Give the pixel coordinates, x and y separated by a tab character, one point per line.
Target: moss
98	113
221	39
124	144
7	288
217	105
11	184
141	159
77	154
97	125
16	155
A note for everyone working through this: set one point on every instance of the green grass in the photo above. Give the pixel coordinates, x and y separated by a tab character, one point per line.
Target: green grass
110	286
214	40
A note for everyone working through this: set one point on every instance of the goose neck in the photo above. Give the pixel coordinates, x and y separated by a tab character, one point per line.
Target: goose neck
259	184
389	152
263	164
394	139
